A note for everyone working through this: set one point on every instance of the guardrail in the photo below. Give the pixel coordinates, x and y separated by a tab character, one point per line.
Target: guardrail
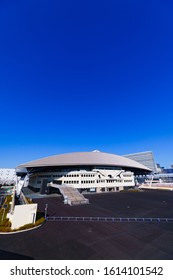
107	219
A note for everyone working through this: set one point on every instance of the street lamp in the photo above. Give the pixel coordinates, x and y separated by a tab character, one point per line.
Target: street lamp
45	213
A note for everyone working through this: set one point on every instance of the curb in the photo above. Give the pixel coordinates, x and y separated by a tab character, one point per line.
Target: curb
24	230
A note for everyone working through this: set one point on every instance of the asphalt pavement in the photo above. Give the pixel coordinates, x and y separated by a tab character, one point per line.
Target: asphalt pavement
98	240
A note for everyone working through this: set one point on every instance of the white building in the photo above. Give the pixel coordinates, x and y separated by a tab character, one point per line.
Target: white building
91	171
7	176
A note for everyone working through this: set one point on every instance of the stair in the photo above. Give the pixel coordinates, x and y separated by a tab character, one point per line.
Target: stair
71	195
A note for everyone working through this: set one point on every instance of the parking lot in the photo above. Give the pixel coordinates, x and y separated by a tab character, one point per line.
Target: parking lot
98	240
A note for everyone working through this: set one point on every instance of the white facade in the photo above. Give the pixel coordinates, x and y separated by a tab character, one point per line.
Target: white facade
22	215
95	180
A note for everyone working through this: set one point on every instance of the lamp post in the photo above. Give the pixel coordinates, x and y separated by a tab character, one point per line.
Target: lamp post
45	213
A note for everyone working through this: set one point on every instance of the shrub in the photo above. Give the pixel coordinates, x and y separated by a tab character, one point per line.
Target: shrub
5	229
27	226
134	190
39	215
40	221
29	200
5	223
8	199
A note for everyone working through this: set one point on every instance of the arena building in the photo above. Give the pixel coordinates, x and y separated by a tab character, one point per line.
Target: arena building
90	171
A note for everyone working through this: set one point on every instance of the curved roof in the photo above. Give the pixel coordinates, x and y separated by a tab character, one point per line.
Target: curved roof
95	158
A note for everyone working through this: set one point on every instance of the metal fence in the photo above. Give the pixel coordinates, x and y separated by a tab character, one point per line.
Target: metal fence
107	219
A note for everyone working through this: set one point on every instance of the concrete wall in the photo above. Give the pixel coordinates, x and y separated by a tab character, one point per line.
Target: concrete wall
23	214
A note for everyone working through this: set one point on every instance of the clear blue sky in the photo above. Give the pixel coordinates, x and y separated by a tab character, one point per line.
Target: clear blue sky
85	75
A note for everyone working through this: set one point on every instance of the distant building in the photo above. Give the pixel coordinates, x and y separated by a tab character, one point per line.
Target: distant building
167	170
159	168
145	158
165	175
7	176
163	170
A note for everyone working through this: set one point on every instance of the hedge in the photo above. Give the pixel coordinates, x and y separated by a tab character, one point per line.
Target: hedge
6	226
